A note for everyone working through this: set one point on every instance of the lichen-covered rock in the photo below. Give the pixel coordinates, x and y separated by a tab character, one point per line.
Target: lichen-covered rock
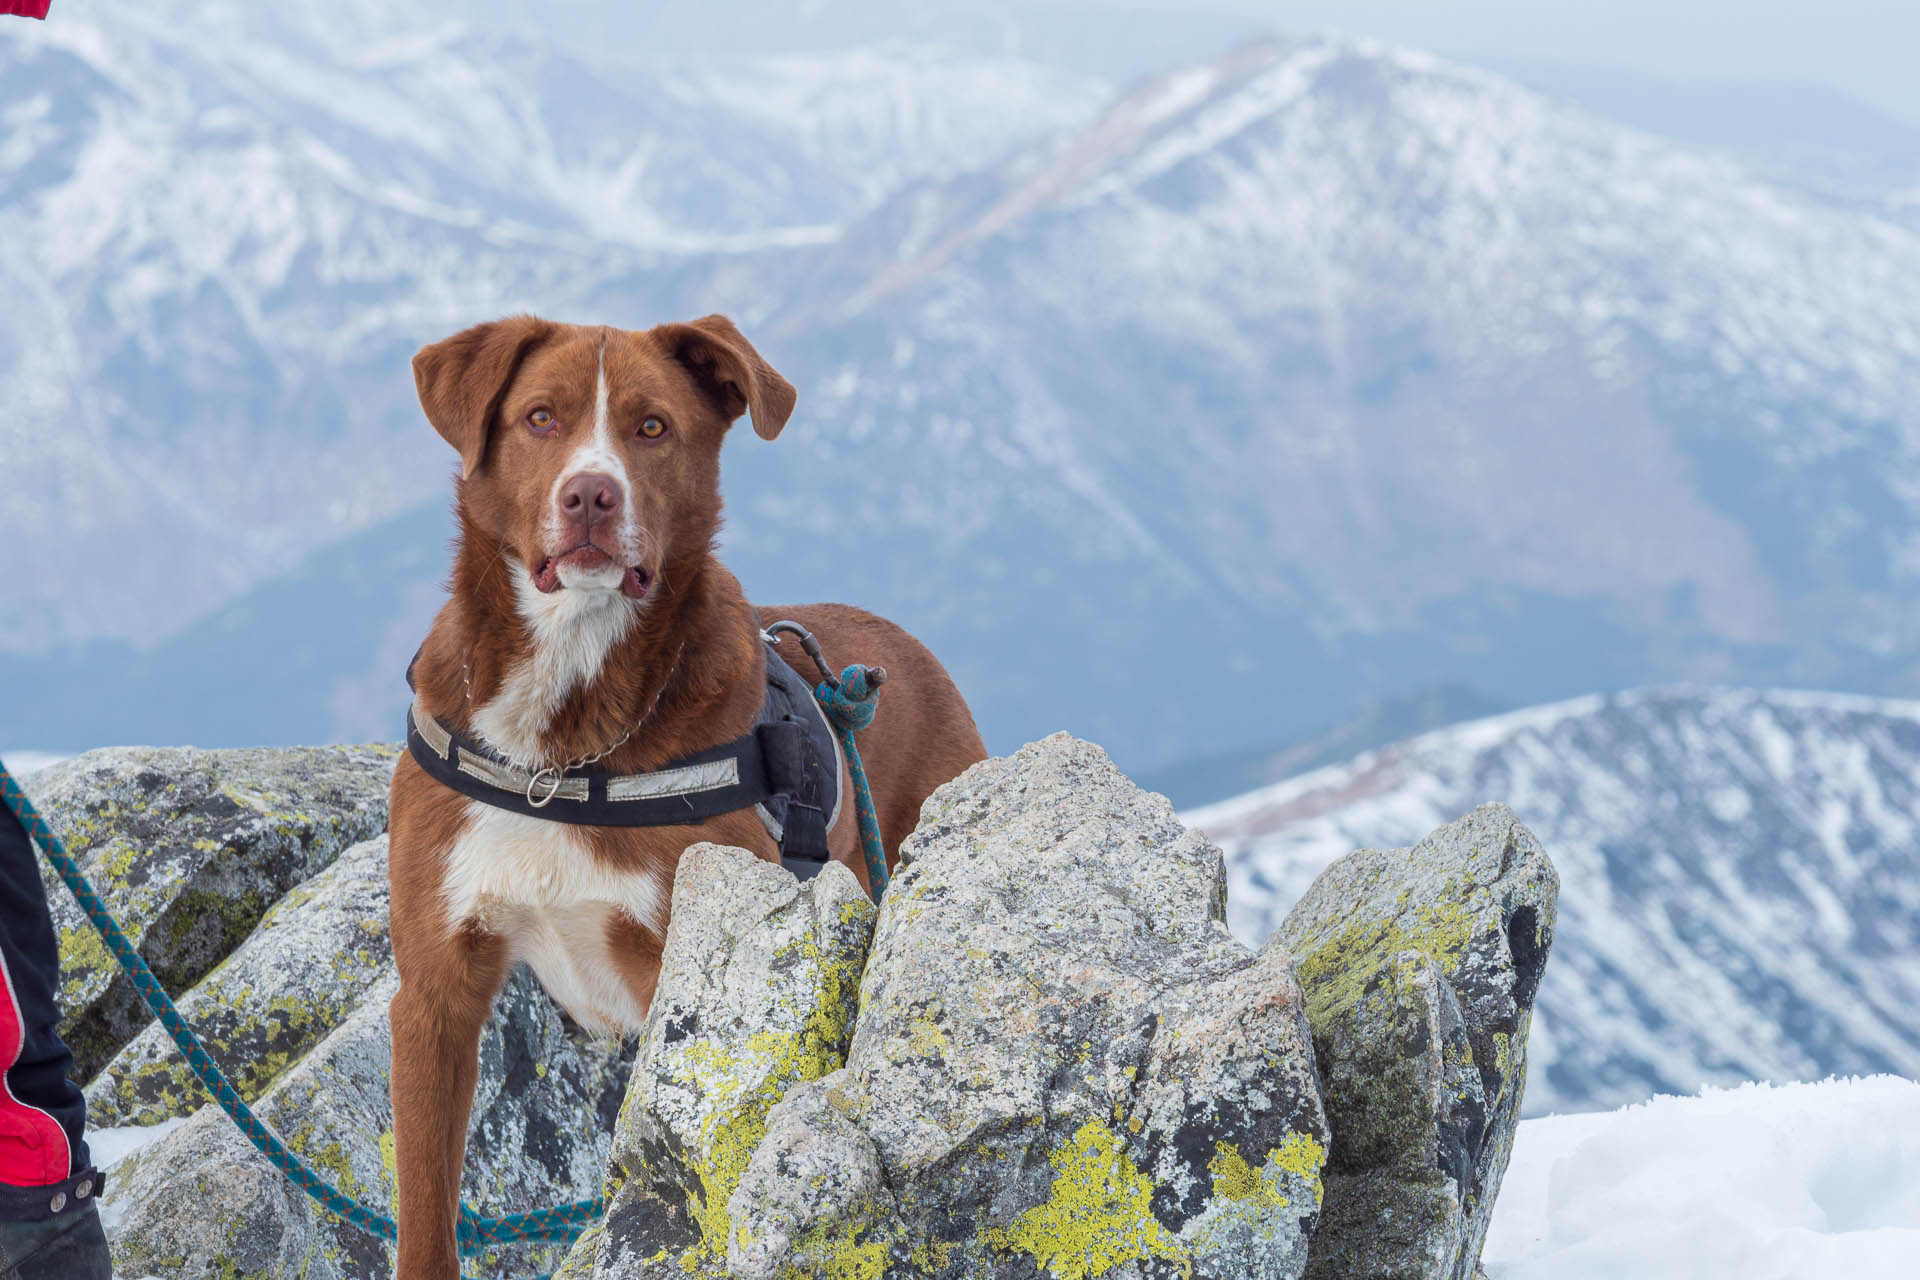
1420	968
313	959
757	992
202	1202
1063	1063
189	848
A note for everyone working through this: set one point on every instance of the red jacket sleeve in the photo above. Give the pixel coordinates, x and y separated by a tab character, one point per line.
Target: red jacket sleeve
25	8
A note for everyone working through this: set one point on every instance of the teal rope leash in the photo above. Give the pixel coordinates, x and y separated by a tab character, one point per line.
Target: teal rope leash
561	1224
850	703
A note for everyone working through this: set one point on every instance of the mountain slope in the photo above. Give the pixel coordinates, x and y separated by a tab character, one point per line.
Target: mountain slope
1740	876
1314	374
1318	296
230	225
1387	370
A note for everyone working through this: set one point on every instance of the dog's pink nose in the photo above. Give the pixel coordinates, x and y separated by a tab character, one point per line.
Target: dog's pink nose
590	496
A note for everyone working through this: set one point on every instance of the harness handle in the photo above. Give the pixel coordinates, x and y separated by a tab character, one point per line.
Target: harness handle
876	676
849	702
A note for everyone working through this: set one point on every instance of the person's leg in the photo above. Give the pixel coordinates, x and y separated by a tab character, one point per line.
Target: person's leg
49	1229
67	1246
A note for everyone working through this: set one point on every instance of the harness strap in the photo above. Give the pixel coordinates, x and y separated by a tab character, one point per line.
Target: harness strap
787	768
688	791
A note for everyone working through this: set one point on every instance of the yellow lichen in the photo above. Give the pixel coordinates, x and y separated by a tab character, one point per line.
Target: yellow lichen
1235	1179
1301	1155
926	1038
1097	1216
932	1256
835	1251
1335	972
744	1082
1249	1199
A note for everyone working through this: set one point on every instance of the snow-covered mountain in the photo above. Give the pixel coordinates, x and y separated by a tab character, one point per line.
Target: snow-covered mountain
1740	876
229	225
1318	372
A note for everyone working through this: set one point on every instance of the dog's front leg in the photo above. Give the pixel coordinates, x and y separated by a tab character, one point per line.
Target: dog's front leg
446	993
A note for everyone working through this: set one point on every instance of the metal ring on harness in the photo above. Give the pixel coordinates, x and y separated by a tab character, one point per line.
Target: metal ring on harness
554	790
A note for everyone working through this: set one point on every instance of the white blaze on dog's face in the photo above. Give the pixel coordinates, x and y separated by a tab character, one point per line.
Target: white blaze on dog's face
592	534
592	454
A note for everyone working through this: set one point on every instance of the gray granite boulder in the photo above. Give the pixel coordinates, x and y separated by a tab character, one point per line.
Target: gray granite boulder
757	993
1420	968
189	848
313	959
1044	1056
1063	1064
200	1201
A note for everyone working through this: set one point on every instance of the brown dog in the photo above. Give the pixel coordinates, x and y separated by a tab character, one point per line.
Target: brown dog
589	620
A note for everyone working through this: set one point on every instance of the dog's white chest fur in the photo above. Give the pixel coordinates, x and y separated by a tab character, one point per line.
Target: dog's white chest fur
534	882
572	631
537	884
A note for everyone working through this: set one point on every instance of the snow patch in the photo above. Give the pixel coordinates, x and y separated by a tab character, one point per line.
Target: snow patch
111	1147
1794	1182
22	763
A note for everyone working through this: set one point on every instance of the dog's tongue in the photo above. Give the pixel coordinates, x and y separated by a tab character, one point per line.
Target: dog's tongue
546	577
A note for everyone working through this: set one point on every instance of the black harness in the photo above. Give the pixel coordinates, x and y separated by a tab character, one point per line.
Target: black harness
786	767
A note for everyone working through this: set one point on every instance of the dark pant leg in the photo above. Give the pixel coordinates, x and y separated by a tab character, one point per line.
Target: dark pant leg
67	1246
49	1228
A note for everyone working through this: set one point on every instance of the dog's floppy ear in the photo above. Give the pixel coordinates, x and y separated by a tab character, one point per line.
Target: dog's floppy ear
461	379
733	372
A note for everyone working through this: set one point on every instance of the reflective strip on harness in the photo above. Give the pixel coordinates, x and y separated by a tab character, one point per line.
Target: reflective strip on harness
684	781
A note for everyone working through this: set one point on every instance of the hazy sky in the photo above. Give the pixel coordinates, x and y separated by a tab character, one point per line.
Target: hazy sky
1868	48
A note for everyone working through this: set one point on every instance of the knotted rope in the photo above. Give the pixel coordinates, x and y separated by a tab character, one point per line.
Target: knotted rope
850	703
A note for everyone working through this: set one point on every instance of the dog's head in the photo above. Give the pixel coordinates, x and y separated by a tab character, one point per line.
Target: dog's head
593	454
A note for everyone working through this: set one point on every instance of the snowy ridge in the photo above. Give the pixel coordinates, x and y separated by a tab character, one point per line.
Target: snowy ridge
1740	876
1309	223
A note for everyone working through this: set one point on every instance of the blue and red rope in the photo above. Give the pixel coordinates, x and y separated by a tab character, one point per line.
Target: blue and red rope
560	1224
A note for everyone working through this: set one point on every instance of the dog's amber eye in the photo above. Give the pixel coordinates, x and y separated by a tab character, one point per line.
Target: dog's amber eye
540	422
653	428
